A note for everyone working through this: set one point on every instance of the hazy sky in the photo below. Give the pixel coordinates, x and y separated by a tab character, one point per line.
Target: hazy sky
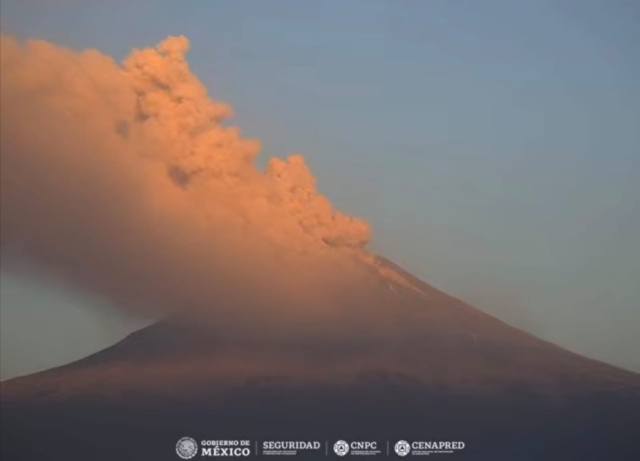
494	146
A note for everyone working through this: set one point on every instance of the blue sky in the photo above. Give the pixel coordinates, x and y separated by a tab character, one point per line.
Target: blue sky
494	146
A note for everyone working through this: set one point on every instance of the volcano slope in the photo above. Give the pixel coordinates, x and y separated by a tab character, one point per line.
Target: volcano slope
452	373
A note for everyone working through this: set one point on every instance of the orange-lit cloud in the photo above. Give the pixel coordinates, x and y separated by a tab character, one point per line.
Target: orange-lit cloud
125	179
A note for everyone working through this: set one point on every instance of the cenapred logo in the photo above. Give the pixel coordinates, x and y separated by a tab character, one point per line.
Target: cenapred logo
402	448
341	448
187	448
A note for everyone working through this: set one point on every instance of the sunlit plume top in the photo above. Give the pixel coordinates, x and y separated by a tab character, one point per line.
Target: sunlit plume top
200	149
126	178
160	107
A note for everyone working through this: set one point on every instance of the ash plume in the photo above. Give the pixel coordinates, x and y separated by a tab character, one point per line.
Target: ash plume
126	180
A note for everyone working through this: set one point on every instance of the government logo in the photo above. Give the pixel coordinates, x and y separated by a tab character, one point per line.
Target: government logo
186	448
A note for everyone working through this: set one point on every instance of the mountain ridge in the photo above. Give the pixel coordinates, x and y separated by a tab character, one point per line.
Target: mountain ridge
176	338
507	394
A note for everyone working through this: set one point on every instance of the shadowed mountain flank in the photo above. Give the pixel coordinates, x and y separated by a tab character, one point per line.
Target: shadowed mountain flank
465	376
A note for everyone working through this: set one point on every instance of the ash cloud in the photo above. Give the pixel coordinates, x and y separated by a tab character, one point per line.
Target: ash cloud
126	180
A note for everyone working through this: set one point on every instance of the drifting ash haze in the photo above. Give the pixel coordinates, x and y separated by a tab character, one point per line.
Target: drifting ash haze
276	321
125	180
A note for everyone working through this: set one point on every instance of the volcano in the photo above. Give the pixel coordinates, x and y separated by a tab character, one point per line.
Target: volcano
465	376
276	323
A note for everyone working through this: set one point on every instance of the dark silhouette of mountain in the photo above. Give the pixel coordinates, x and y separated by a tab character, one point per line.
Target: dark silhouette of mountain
466	376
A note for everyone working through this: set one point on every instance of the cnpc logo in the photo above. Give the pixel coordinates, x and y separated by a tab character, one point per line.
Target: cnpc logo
342	448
